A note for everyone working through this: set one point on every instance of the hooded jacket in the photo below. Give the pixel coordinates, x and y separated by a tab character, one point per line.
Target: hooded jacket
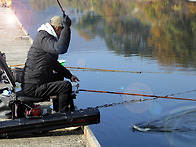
43	54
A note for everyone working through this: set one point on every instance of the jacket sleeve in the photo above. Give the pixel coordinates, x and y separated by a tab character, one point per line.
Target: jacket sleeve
62	70
51	45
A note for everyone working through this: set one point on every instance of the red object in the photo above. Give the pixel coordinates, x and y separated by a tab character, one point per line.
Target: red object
34	111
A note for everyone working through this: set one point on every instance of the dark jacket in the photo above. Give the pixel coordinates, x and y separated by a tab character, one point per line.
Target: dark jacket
42	57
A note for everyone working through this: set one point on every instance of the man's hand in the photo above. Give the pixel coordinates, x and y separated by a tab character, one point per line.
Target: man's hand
74	79
66	21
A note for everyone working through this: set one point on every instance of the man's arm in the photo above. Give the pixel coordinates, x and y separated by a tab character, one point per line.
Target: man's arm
62	70
51	45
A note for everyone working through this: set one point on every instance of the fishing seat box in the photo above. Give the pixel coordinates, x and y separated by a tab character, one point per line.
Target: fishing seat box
50	122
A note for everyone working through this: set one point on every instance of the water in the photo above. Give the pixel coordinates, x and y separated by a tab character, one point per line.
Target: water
153	38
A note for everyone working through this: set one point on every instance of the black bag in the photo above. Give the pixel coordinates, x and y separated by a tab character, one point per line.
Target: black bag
17	73
5	111
19	108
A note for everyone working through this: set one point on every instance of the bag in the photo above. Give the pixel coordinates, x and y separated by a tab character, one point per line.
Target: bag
17	73
19	108
5	111
33	111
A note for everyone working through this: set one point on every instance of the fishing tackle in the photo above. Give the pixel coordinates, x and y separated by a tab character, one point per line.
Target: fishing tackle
61	8
145	95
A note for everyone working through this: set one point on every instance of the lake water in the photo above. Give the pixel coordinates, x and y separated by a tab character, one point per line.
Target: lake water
156	38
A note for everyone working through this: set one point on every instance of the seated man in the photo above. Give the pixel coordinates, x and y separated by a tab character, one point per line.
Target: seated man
43	75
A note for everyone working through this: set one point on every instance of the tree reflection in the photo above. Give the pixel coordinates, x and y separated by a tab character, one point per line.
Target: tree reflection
164	30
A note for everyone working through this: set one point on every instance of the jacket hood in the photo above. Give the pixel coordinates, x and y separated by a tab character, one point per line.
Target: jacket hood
48	28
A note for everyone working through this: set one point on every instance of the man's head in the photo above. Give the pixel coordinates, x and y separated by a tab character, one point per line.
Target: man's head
57	23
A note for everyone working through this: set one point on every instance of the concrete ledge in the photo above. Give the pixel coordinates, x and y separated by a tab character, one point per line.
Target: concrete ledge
12	37
23	29
90	137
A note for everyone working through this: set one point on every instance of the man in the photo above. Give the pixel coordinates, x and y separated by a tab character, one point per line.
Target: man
43	75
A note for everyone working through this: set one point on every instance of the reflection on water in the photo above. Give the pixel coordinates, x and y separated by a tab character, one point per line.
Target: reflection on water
162	30
181	121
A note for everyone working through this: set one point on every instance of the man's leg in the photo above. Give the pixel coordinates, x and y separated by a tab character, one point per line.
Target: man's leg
62	89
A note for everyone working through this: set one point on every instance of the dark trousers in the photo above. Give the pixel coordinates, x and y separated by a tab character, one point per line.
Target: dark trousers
57	86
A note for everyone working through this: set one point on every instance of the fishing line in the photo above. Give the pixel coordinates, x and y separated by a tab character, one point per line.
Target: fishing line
121	103
182	92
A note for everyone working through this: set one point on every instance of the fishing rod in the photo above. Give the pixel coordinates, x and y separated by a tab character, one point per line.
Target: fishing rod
111	70
61	8
145	95
125	71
